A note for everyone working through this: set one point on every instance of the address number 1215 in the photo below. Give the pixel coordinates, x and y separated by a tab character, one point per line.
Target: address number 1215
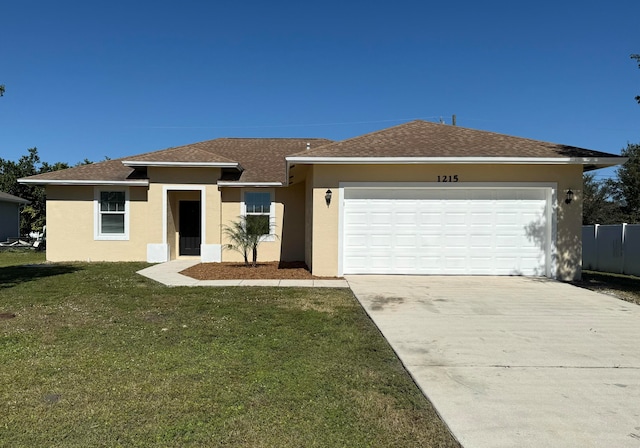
453	178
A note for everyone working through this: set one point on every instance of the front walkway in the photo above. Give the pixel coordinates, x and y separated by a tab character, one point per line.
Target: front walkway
169	274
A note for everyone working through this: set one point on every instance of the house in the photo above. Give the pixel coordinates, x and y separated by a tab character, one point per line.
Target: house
418	198
10	215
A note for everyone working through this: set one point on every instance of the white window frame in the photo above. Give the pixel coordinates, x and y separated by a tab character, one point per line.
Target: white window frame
272	209
97	214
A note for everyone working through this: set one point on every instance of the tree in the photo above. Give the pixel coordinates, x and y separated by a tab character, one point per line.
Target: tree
628	177
32	218
237	234
246	235
637	58
600	204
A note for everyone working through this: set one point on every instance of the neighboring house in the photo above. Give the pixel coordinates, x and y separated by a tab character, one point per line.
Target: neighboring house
418	198
10	215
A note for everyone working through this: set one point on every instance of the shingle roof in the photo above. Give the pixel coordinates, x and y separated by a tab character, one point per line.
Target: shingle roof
6	197
424	139
109	170
261	159
181	154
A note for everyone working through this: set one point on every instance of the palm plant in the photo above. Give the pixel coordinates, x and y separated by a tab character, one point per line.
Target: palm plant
246	234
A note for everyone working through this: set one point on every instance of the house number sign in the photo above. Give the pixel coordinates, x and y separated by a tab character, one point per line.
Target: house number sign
448	178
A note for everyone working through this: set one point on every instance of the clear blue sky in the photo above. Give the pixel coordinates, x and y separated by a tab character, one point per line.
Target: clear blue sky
89	79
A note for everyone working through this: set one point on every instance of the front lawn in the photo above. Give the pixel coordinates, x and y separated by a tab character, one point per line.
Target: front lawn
96	355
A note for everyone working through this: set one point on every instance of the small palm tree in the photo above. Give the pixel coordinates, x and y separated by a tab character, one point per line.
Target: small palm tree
246	234
237	234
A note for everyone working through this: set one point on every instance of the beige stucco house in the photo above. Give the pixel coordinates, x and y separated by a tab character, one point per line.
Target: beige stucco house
418	198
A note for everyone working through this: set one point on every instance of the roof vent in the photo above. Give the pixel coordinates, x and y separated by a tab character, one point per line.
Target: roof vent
308	146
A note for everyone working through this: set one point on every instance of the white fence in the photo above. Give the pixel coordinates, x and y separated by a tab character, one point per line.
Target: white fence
611	248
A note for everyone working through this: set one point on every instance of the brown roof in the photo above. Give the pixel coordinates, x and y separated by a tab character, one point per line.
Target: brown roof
424	139
261	159
181	154
109	170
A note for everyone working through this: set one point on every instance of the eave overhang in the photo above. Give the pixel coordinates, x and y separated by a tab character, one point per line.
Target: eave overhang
600	162
222	183
141	163
129	183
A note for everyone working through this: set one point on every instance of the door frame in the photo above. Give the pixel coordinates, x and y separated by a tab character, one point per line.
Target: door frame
166	189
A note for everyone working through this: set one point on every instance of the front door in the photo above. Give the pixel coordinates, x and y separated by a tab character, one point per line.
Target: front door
189	227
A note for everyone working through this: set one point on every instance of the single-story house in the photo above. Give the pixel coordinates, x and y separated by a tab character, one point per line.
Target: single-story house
10	215
418	198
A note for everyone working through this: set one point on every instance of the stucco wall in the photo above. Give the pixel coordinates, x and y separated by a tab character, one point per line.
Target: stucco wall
203	176
289	224
325	219
308	219
74	206
70	226
292	227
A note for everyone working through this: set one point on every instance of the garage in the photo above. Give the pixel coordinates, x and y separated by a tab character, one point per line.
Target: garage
467	229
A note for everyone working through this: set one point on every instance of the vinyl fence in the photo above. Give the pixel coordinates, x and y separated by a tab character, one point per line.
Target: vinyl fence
611	248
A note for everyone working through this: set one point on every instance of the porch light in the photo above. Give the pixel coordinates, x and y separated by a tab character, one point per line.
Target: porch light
327	197
569	198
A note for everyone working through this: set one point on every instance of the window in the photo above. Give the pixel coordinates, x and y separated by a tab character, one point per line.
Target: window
111	221
258	211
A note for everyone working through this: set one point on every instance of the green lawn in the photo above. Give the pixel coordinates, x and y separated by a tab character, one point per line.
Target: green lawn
97	355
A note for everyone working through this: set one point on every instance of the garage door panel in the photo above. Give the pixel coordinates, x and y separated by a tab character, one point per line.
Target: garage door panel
405	218
410	241
430	216
381	241
406	263
454	243
426	241
455	218
482	217
481	242
446	231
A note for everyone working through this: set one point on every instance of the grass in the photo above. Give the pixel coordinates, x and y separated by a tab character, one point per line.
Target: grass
97	355
625	287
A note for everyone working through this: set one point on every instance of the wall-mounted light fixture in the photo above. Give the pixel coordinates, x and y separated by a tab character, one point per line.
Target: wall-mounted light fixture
569	198
327	197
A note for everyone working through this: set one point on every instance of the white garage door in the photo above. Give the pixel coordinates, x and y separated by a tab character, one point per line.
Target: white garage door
457	231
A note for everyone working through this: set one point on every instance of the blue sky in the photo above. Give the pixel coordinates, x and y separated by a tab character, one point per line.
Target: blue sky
89	79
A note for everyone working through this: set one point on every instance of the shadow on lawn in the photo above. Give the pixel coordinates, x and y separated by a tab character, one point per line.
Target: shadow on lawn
11	276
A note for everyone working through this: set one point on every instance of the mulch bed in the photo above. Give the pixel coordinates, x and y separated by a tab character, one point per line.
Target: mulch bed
263	271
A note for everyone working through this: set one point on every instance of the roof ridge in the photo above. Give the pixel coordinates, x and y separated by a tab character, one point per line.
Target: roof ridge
268	138
359	136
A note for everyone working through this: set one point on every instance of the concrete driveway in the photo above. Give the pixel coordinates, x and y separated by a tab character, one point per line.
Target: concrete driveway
515	361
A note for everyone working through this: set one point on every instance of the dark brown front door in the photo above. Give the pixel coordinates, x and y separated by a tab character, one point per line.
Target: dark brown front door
190	228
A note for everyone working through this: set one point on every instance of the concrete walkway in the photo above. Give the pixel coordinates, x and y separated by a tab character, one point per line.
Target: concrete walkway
169	274
515	361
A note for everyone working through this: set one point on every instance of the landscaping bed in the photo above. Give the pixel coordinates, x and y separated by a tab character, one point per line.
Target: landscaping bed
296	270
